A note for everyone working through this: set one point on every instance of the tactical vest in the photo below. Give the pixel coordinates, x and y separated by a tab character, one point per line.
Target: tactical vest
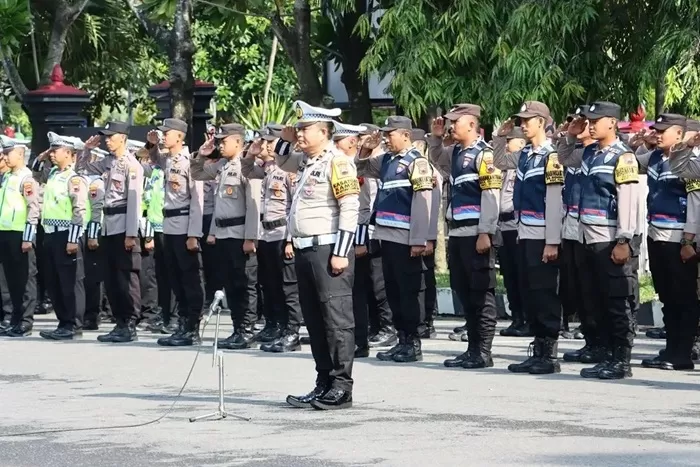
154	199
667	199
393	203
530	190
465	190
57	209
571	194
598	205
13	213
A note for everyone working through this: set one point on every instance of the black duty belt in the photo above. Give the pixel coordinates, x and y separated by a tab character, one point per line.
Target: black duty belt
176	212
114	211
506	216
274	224
230	221
452	224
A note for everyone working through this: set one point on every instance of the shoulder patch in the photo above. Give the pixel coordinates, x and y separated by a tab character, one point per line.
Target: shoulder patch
627	169
28	188
692	185
421	175
490	178
75	180
343	177
554	171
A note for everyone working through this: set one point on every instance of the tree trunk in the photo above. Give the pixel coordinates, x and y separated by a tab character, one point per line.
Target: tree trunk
660	95
65	17
181	59
268	83
353	49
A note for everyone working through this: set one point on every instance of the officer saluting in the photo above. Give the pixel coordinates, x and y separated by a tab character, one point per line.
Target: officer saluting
182	229
63	218
122	211
322	223
19	214
235	228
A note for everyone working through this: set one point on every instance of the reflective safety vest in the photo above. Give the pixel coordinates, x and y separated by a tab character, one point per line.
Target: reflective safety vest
467	181
393	203
598	205
13	206
535	171
154	199
667	199
571	193
58	209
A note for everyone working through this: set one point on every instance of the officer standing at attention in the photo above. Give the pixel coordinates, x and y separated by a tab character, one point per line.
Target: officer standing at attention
94	258
119	236
538	203
235	228
508	255
322	223
402	225
63	218
210	268
472	218
20	206
608	221
182	229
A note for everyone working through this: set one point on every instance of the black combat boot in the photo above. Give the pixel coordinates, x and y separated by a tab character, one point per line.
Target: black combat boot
179	331
548	364
111	335
388	355
534	352
457	361
511	330
126	333
429	332
189	337
656	333
270	333
411	352
595	370
619	367
595	354
575	355
479	359
289	342
523	331
241	339
361	351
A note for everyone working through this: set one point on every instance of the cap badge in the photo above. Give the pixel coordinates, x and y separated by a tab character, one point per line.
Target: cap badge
578	111
660	119
300	113
523	108
592	108
107	126
268	131
221	130
386	122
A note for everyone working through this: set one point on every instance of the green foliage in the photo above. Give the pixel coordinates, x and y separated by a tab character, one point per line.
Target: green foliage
15	23
279	111
14	115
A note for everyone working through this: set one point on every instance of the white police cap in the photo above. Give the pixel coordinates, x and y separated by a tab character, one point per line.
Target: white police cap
65	141
307	114
343	130
134	145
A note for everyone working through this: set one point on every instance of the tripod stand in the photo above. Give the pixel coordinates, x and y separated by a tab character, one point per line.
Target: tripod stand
218	360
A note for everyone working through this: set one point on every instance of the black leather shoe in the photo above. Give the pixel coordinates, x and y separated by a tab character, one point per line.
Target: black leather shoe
460	329
20	330
535	354
575	355
548	363
388	355
109	337
304	402
176	335
458	336
289	342
457	361
428	333
306	340
595	354
594	371
656	362
511	330
270	333
125	334
335	399
411	352
5	326
619	367
156	326
361	352
239	340
475	361
656	333
384	338
189	338
59	334
523	331
91	325
259	325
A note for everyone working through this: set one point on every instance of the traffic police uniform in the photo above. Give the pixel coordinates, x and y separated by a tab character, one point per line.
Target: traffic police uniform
538	205
182	220
63	217
472	210
322	223
20	207
94	258
402	220
236	219
121	214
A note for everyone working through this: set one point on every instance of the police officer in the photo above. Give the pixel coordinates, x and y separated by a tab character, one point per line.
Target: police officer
608	220
322	223
6	308
19	214
235	228
276	272
63	218
210	268
538	203
508	255
472	217
119	236
182	229
94	254
402	225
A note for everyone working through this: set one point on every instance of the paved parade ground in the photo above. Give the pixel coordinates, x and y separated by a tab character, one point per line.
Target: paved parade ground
404	415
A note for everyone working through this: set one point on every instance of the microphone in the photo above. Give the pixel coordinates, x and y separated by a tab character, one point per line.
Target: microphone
219	296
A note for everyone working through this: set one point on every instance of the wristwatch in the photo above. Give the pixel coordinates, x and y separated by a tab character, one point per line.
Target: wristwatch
687	242
623	241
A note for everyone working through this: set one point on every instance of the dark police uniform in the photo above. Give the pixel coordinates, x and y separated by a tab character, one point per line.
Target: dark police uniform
94	258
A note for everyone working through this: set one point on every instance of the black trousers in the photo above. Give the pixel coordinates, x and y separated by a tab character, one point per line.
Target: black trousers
240	275
166	297
540	287
431	309
66	285
508	258
210	267
6	310
278	278
675	282
326	304
569	280
370	305
473	276
122	278
94	261
607	294
182	267
41	292
20	277
148	283
404	277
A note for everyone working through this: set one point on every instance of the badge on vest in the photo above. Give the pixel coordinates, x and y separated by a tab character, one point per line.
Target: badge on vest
554	171
490	178
343	179
626	170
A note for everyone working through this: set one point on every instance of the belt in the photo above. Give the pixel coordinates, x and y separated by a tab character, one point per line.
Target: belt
463	223
301	243
230	221
114	211
176	212
269	225
506	216
49	229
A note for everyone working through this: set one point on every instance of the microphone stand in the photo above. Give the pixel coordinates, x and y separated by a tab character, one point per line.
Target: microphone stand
218	360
